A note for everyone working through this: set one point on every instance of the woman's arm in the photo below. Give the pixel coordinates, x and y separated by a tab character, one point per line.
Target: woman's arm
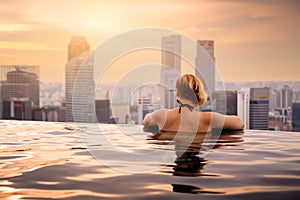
231	122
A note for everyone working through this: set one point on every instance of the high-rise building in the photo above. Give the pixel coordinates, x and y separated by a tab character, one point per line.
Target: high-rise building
80	103
205	70
243	108
171	68
77	46
286	97
102	107
253	107
143	108
19	82
296	116
259	108
226	102
275	95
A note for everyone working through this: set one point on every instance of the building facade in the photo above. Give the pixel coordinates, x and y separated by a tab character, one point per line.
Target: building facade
102	107
286	97
226	102
80	103
259	108
17	109
143	108
205	70
243	106
296	116
171	68
19	82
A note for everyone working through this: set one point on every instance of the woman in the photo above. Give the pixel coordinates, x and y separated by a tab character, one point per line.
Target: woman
190	94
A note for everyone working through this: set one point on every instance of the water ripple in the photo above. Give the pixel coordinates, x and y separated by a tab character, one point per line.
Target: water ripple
47	160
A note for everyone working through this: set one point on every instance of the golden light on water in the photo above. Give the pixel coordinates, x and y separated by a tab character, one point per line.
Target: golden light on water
46	159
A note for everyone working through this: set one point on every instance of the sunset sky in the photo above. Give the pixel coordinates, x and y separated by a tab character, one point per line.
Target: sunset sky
254	39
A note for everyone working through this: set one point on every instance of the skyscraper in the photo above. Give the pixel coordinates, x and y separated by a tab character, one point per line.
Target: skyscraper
19	82
143	108
205	71
102	107
243	107
77	46
286	97
296	116
171	68
226	102
259	108
253	107
275	98
80	101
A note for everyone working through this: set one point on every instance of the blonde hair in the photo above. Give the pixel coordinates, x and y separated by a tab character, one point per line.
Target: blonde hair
190	87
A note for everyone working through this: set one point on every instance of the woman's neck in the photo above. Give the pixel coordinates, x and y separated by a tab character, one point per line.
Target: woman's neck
186	101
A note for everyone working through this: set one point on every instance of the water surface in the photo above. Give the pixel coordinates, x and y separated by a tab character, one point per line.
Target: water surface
42	160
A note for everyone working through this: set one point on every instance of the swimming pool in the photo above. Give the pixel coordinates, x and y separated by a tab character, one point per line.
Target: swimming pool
42	160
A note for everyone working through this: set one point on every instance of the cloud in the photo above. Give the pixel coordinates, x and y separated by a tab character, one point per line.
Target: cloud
35	32
27	46
13	27
248	27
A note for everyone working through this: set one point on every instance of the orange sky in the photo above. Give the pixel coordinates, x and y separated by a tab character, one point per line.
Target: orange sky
254	39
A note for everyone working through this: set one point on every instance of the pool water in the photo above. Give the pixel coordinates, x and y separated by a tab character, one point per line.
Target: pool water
43	160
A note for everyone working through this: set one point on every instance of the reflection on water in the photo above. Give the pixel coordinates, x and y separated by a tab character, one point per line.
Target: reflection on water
188	149
48	160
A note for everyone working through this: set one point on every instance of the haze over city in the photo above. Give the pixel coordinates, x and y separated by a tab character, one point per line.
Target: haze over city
254	40
146	115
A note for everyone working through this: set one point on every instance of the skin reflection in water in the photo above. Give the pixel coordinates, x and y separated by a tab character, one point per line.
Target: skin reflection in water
189	148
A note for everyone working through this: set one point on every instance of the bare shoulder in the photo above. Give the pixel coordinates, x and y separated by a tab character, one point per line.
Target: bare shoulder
154	117
206	116
160	113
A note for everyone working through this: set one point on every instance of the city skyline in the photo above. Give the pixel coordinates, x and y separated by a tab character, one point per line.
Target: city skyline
254	40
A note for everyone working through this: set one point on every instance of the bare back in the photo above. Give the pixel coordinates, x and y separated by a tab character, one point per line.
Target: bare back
191	121
186	121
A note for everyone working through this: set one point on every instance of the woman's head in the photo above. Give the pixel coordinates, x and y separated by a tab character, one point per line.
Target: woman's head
190	87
